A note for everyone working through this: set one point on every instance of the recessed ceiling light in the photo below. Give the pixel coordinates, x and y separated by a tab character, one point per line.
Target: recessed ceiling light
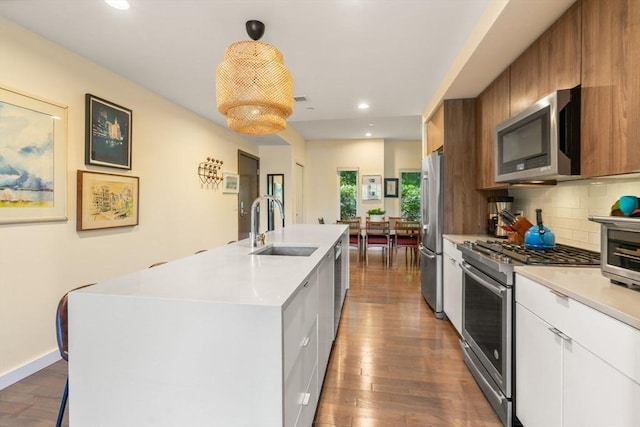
363	106
118	4
368	134
370	124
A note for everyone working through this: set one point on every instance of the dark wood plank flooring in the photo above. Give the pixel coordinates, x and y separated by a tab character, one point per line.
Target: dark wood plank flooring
393	364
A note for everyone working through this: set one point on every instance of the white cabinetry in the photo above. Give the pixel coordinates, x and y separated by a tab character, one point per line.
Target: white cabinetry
575	366
325	323
300	322
452	284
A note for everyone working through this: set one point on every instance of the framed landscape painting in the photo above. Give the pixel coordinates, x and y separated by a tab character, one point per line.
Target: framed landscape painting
33	159
106	200
108	133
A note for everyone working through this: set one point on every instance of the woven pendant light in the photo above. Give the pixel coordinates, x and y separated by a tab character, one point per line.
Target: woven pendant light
254	89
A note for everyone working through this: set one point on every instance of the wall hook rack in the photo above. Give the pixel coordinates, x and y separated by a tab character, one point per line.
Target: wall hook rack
209	171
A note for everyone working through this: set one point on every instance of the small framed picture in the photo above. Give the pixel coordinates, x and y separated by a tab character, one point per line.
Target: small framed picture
108	133
391	187
371	187
106	200
230	183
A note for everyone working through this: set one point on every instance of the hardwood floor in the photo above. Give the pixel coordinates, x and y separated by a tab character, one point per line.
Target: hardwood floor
393	364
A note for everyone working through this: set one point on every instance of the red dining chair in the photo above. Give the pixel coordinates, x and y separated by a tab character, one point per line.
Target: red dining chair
377	234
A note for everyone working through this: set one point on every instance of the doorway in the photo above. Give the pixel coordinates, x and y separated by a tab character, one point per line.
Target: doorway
249	189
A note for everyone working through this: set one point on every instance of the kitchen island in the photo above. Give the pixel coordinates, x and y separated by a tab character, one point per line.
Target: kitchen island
221	338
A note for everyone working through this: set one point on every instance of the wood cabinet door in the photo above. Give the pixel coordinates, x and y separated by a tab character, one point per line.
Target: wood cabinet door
492	107
538	371
435	130
552	62
610	121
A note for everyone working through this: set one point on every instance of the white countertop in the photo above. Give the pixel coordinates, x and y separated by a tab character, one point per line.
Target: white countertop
584	284
590	287
230	274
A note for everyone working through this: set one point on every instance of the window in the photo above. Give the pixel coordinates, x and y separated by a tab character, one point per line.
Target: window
348	193
410	194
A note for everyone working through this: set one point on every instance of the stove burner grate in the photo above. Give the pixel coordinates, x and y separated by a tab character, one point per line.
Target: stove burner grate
560	255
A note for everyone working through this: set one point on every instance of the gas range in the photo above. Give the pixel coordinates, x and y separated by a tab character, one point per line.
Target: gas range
500	257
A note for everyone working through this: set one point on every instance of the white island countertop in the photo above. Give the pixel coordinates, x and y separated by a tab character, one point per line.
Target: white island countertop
230	274
219	338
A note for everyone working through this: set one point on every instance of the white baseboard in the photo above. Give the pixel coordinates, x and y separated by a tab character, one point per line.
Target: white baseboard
32	367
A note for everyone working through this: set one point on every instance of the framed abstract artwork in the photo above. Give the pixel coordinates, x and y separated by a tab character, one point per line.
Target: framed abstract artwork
108	133
106	200
230	183
33	159
371	187
391	187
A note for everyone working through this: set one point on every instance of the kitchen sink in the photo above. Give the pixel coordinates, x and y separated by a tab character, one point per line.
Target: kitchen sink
286	250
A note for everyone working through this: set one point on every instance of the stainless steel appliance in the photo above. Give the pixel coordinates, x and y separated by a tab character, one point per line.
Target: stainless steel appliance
620	248
488	324
432	220
542	142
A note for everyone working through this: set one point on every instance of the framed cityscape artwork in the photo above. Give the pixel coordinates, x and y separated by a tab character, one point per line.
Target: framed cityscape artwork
33	159
108	133
106	200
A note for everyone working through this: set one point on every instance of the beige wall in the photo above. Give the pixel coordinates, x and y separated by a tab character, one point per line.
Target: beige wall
369	157
567	206
399	156
39	262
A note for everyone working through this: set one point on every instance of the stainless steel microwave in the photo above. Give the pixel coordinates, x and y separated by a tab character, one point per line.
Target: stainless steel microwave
542	142
620	249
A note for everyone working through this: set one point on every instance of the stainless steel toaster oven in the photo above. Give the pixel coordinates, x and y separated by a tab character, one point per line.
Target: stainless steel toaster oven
620	249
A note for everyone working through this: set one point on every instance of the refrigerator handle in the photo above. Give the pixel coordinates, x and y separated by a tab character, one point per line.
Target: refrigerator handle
426	252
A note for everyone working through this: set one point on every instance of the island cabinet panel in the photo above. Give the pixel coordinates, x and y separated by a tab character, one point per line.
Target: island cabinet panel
326	312
610	87
569	374
492	107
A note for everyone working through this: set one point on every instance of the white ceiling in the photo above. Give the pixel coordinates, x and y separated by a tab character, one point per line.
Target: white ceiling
392	54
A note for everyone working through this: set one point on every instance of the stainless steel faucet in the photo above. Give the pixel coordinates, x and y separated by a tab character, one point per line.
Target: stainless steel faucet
254	234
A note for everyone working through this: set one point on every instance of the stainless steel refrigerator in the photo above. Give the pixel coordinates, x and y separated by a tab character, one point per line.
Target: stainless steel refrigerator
432	221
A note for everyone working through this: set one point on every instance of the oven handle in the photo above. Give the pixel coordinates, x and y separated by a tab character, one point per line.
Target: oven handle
496	289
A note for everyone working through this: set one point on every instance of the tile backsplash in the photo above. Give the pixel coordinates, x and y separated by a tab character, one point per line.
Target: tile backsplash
567	206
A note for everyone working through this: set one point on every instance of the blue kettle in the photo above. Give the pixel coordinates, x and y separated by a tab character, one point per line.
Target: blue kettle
539	236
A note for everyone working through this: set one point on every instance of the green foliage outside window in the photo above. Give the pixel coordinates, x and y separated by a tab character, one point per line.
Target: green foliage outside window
410	195
348	193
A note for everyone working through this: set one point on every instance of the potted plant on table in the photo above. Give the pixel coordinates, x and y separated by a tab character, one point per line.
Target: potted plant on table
376	214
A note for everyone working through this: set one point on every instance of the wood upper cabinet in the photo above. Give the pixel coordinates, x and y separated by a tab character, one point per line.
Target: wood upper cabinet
552	62
435	130
610	121
492	107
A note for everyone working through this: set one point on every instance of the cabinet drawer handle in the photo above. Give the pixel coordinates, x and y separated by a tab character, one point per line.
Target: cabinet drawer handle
305	398
562	335
306	284
305	341
558	293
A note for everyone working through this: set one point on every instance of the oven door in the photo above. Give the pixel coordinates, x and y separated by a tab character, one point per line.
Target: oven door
487	324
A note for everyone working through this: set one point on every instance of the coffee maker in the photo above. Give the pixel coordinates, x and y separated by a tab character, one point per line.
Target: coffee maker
495	205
